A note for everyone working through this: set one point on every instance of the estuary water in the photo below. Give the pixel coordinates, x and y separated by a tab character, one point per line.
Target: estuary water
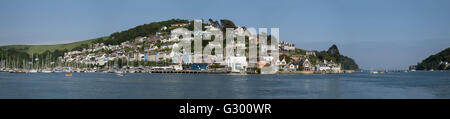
395	85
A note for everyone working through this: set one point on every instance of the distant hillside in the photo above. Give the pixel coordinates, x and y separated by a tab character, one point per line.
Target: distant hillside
436	62
38	49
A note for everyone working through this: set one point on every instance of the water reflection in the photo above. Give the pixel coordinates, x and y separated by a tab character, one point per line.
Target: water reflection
103	85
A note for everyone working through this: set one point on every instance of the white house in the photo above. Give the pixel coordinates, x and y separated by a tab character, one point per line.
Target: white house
237	64
281	64
329	66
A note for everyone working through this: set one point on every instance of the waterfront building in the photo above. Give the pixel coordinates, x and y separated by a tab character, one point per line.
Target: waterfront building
177	59
177	67
281	64
198	66
304	63
237	64
330	66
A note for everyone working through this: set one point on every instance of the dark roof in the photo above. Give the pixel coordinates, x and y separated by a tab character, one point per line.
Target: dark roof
300	62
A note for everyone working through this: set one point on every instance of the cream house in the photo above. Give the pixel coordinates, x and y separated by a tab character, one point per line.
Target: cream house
237	64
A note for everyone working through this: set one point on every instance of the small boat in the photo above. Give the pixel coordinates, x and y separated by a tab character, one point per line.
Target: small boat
132	71
373	71
47	71
33	71
119	73
68	75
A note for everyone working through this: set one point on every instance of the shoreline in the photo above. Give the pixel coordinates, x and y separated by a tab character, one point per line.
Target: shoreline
183	72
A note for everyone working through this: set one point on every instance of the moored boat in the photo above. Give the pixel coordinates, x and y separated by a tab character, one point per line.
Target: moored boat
68	75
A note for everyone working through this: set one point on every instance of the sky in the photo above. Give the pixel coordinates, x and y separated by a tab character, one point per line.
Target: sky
377	34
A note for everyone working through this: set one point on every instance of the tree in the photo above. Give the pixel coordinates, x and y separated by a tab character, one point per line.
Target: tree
301	68
141	30
333	50
227	24
287	58
434	61
334	55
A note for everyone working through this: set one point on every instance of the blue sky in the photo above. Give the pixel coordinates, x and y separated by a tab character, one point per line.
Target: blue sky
376	33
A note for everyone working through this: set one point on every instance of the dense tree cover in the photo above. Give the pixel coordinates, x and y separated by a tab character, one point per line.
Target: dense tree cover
191	26
348	63
334	55
286	58
81	47
333	50
434	61
141	30
331	55
323	55
300	51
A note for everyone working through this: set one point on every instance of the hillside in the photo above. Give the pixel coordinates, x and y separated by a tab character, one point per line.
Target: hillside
38	49
141	31
436	62
333	54
113	39
54	51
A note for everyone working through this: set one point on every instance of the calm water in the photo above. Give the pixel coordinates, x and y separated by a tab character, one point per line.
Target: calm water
186	86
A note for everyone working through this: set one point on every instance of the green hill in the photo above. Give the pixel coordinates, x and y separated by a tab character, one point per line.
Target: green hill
113	39
436	62
38	49
332	54
54	51
141	30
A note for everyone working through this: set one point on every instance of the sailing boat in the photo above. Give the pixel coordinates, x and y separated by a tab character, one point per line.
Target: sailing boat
118	71
32	69
373	71
47	64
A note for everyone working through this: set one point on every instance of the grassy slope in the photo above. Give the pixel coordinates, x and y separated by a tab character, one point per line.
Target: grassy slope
42	48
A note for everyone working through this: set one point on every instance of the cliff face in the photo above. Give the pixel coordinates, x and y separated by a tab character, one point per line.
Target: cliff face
438	61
